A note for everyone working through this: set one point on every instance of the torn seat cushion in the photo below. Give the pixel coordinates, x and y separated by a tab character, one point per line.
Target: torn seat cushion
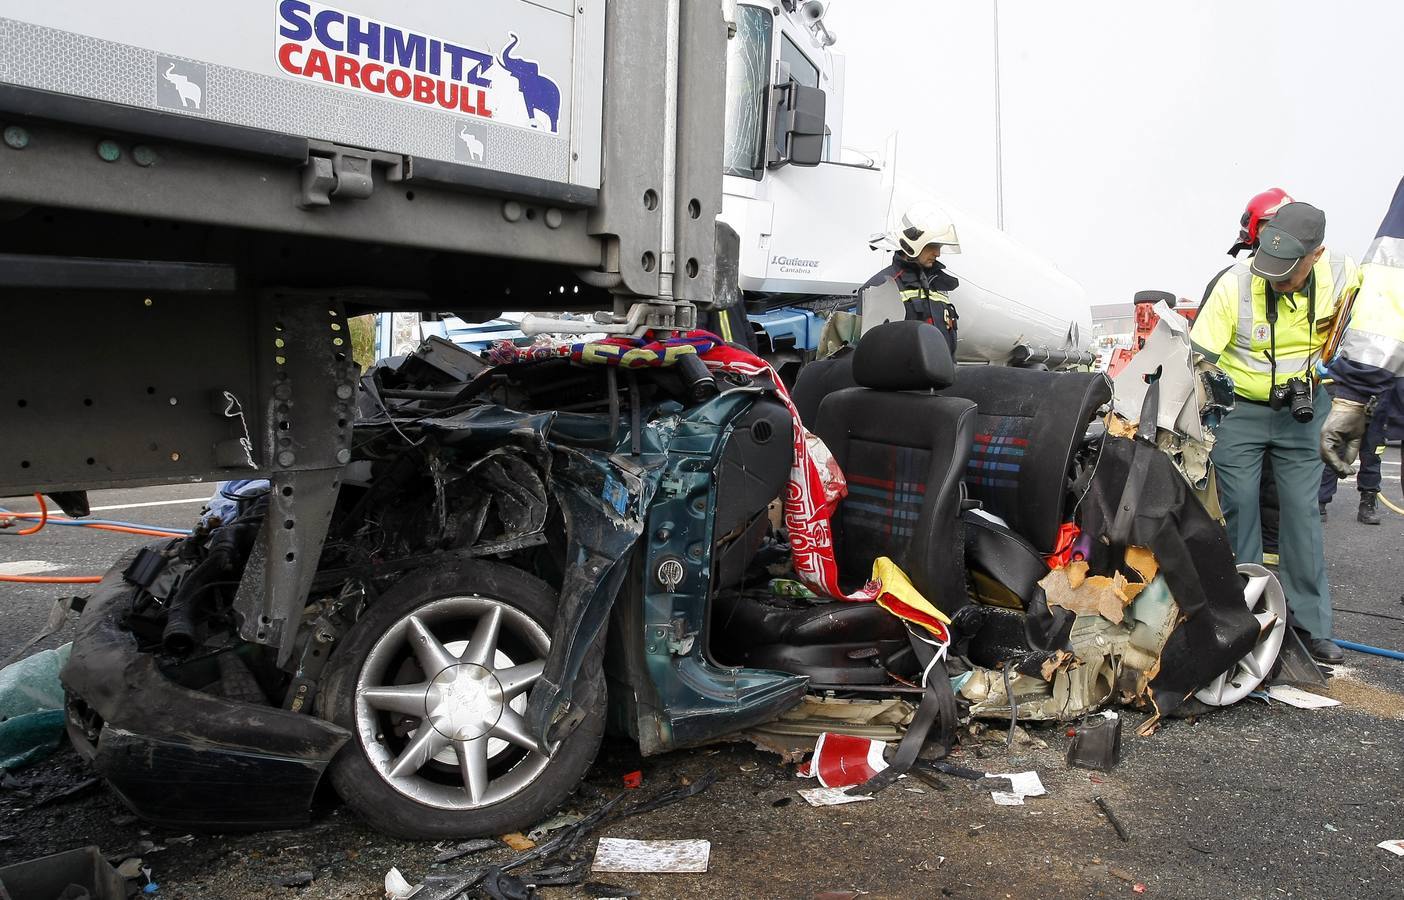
1005	571
1195	560
1029	427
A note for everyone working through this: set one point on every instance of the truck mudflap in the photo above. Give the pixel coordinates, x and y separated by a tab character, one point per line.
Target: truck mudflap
177	756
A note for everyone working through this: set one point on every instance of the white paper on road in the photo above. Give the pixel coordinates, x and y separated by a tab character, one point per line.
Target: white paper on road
1299	698
624	855
1395	847
830	796
1021	785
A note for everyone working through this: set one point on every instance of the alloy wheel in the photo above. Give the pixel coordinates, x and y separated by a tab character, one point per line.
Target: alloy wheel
1268	604
439	702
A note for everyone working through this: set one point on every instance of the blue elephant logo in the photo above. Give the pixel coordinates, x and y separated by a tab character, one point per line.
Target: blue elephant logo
540	93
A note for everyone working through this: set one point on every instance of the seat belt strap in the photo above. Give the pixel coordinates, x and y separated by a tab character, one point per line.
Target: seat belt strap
938	704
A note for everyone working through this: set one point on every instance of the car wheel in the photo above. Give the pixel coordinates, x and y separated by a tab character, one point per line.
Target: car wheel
1266	601
432	683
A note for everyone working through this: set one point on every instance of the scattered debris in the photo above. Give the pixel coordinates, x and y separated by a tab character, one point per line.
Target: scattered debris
1299	698
843	760
957	771
601	889
295	880
1106	809
397	887
1139	887
1096	743
633	780
1121	873
833	796
518	841
450	852
1395	847
794	734
1021	785
68	793
31	708
555	823
564	847
671	857
80	874
130	868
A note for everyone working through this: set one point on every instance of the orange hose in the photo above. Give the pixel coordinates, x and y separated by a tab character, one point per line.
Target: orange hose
43	518
121	529
45	579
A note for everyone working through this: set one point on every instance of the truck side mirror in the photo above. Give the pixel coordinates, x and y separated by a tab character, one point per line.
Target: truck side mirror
799	125
806	131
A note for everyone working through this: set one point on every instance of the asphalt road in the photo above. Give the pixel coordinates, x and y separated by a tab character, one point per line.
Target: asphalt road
1248	802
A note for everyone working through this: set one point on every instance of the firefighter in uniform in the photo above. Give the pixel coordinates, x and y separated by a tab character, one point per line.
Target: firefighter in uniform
923	235
1265	324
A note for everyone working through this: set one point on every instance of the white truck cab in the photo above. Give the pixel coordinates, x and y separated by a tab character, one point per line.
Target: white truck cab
805	225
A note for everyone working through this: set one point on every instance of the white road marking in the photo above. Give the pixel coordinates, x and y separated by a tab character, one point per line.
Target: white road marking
203	499
28	567
35	512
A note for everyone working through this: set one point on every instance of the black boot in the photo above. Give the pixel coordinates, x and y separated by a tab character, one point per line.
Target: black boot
1369	514
1325	650
1323	512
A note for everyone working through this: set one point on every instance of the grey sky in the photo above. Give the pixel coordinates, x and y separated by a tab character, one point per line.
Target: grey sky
1134	132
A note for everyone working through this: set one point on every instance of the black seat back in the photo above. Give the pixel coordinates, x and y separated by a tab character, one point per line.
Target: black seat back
818	380
1029	426
903	451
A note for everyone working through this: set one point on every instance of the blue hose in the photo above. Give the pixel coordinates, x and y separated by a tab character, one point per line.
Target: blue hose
80	523
1366	648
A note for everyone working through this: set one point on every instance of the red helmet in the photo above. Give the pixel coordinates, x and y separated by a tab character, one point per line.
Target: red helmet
1259	209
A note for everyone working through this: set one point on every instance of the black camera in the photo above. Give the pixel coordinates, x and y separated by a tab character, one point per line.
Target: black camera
1295	394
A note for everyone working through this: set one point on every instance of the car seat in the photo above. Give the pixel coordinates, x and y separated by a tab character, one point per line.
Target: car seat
903	450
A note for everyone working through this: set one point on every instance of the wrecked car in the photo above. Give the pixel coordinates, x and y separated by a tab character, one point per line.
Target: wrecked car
650	535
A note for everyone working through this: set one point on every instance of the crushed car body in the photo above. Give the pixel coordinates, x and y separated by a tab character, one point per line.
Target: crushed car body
517	538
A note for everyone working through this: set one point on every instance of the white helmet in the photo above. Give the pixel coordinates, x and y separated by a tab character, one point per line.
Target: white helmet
923	225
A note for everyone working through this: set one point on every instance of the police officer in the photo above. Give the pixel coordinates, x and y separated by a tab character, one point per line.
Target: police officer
1264	324
923	235
1260	208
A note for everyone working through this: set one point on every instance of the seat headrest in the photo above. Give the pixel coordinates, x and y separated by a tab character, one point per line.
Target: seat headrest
903	356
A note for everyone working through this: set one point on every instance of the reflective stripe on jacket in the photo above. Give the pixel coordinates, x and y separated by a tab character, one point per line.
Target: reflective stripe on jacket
1375	335
924	294
1234	324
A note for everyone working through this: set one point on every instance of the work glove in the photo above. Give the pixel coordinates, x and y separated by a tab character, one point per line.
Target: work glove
1341	435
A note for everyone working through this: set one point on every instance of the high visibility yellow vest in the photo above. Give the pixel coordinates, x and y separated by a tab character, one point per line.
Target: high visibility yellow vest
1234	324
1375	334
